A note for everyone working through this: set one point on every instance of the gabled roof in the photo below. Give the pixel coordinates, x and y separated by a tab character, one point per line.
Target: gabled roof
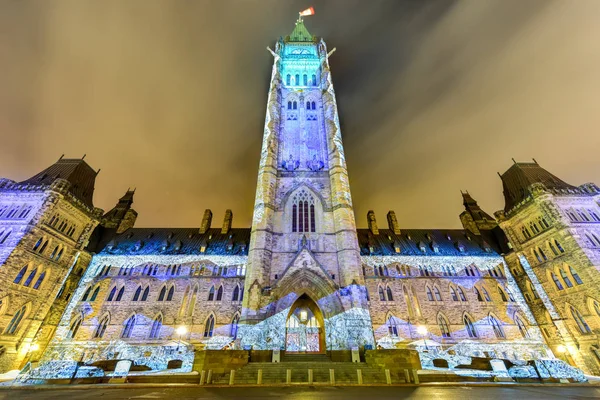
520	176
81	176
424	242
300	33
169	241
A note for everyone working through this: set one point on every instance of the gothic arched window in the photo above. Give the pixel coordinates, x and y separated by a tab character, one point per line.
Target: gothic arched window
496	327
30	278
145	294
314	80
443	323
128	327
236	294
74	327
559	286
581	324
381	294
220	293
305	77
295	105
575	276
136	296
234	326
469	326
39	280
211	294
303	212
171	293
288	80
20	275
479	298
297	80
521	326
156	325
209	326
120	295
389	294
101	327
163	292
95	294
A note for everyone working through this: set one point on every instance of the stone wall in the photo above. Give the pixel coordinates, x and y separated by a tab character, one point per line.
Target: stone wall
393	359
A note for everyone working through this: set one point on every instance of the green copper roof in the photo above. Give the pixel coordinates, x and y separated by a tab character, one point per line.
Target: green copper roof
300	33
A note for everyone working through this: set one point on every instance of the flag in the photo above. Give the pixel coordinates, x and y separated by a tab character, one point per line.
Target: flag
308	11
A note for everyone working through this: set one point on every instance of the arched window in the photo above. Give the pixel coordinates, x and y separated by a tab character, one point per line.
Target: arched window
559	286
192	305
39	281
236	294
128	327
99	333
74	327
381	294
234	326
146	293
502	294
220	293
38	244
462	295
565	278
303	212
288	80
112	293
295	105
3	239
30	278
496	327
469	327
560	248
581	324
389	294
392	325
415	302
156	326
86	294
211	294
20	275
209	326
314	80
521	326
597	308
121	292
486	294
444	328
479	298
162	293
575	276
436	292
553	248
453	294
137	294
305	78
12	327
95	294
429	293
44	246
297	79
171	293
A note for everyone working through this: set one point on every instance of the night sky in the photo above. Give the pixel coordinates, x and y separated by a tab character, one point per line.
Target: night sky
170	96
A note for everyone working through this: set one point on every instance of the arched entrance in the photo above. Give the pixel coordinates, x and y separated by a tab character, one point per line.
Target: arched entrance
305	327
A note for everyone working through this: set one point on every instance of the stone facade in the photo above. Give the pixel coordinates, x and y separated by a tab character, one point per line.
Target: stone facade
554	229
302	278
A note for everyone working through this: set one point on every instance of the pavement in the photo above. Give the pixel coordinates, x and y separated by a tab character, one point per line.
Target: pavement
459	392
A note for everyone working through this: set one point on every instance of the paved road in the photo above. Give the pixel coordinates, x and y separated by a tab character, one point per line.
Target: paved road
314	393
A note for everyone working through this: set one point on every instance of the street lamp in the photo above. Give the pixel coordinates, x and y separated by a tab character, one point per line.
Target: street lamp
422	330
181	330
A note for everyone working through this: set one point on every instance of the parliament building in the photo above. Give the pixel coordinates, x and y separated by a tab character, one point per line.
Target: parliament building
78	283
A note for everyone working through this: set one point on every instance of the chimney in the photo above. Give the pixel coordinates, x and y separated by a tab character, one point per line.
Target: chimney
227	222
206	220
393	222
372	222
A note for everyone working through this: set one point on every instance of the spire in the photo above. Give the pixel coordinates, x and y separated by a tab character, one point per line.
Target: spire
300	33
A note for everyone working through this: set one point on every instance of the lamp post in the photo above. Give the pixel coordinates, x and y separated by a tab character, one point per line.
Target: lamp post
181	330
422	330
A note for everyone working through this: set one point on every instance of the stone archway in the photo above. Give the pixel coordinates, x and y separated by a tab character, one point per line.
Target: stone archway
305	327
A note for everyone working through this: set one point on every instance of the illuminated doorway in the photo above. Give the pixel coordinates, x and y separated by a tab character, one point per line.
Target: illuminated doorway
304	331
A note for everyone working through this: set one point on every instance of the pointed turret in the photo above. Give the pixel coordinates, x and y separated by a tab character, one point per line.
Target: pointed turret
474	219
300	33
122	216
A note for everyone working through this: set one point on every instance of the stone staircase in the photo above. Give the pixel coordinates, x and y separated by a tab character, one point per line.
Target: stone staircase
300	364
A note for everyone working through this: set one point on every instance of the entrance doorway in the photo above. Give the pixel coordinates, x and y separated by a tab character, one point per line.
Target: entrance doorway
305	328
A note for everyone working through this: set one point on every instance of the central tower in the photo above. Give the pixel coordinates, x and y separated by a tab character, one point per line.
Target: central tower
304	256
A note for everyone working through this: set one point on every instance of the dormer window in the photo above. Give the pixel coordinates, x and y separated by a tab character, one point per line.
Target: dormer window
435	247
397	246
178	245
138	245
422	247
460	247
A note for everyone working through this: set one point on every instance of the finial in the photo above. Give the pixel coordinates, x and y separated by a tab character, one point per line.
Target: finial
534	160
513	160
97	172
499	174
61	157
83	158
